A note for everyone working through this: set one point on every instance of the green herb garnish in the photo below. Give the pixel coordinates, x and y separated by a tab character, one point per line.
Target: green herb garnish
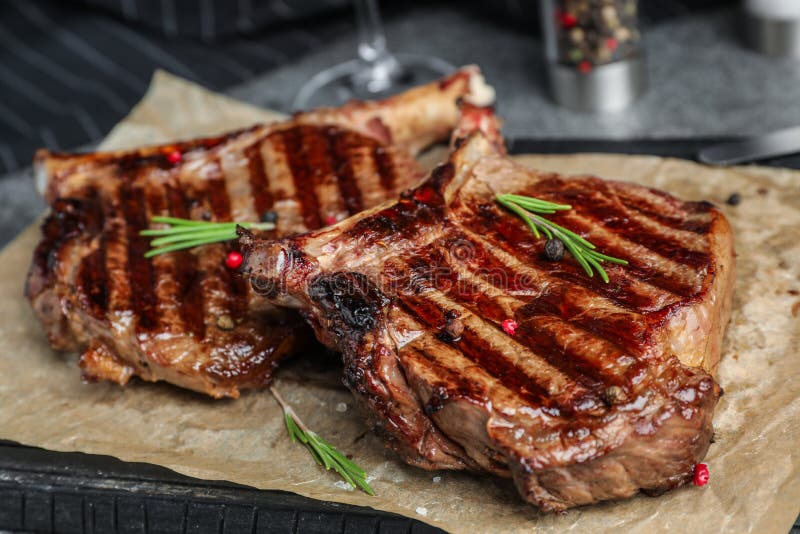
323	452
186	233
530	209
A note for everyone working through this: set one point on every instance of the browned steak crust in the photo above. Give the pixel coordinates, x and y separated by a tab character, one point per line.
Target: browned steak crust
602	391
184	317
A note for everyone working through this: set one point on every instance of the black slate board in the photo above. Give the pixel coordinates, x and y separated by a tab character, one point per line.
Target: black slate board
46	491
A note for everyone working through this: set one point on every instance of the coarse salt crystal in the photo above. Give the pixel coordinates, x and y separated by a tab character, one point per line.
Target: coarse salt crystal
436	480
421	510
341	484
341	407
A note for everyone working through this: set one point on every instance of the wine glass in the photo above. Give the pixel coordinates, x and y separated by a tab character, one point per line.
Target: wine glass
375	73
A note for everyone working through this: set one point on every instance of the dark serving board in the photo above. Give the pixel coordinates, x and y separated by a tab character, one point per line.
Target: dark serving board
46	491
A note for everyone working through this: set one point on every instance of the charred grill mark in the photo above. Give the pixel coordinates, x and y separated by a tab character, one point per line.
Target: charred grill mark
694	224
480	351
539	333
190	282
667	210
296	153
321	165
187	277
92	279
384	166
616	219
166	269
70	220
47	248
238	295
401	221
218	198
626	330
597	204
583	368
207	199
116	245
176	201
638	265
140	269
259	182
488	229
451	385
236	287
339	152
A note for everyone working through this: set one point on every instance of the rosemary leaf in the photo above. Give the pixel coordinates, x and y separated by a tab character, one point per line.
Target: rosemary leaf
181	230
536	204
194	236
184	245
530	210
174	221
323	452
185	233
522	213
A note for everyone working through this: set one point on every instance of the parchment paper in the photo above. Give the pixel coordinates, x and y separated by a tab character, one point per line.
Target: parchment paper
754	462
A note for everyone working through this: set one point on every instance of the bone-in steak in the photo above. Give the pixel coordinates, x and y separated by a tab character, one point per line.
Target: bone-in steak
183	317
603	389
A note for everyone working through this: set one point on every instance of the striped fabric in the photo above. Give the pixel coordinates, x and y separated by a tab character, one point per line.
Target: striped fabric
211	19
68	73
70	70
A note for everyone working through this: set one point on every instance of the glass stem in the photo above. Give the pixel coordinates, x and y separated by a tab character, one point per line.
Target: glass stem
371	37
381	67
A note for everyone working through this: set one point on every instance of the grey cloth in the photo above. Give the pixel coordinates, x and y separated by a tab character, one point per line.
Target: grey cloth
70	70
68	74
215	19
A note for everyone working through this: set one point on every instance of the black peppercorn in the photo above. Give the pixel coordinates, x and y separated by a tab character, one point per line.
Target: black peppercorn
453	327
269	216
554	249
613	395
734	199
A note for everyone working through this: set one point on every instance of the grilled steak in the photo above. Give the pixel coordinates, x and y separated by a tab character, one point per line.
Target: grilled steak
182	317
603	390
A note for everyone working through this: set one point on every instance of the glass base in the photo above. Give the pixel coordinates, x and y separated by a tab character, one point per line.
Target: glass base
357	80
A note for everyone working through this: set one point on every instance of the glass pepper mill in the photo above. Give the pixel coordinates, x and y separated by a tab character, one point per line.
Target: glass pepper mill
593	53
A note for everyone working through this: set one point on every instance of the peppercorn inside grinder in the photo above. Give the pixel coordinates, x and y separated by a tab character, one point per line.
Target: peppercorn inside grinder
593	53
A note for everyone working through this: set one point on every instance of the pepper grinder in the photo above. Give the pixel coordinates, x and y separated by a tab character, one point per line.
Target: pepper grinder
773	26
593	53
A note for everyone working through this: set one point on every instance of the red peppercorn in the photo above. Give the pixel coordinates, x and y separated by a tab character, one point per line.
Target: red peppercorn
510	326
425	195
568	20
611	44
701	475
234	260
329	220
174	157
585	67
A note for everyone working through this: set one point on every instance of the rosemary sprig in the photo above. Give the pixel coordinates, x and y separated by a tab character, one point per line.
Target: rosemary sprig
323	452
185	233
530	209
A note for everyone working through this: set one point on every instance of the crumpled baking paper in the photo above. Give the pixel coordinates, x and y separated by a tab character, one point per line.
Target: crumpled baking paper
754	462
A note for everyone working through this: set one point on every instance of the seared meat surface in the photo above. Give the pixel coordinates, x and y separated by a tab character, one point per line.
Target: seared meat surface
602	390
184	317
